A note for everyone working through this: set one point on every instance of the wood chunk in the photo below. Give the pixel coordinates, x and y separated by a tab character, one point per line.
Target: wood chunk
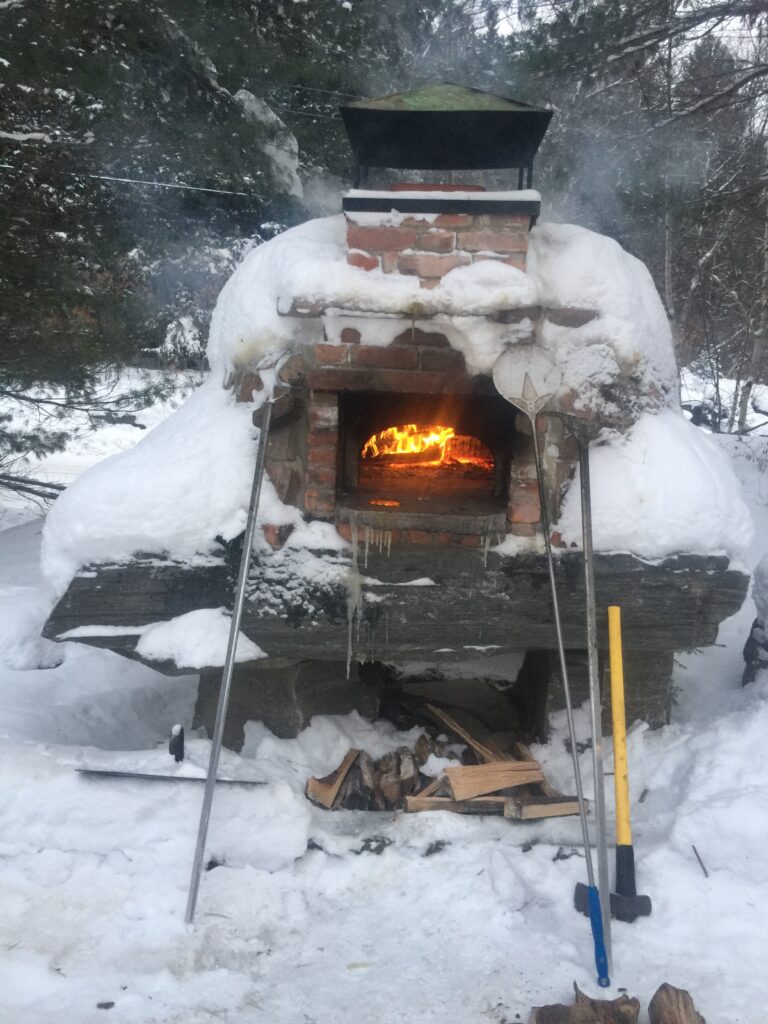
424	747
498	805
477	780
409	772
324	791
431	788
588	1011
387	779
672	1005
485	749
528	807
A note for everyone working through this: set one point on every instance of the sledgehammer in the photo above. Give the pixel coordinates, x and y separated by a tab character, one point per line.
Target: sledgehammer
626	905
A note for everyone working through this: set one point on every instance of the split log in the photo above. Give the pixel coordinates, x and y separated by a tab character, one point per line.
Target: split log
485	749
498	805
324	791
527	807
588	1011
477	780
672	1005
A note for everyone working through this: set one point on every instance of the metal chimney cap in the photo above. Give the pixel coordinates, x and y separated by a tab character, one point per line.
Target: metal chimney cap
444	126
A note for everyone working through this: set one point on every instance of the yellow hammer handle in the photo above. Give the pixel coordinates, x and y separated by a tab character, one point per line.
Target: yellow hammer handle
621	773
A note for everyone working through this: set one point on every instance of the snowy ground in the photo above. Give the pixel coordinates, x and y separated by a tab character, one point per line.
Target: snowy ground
381	917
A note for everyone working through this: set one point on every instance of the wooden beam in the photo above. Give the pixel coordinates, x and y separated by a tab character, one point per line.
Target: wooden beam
479	805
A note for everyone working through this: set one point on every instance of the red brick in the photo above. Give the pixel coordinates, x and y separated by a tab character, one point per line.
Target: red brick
324	438
324	417
331	355
398	358
292	369
522	529
321	457
503	222
556	539
345	529
406	381
342	379
250	383
470	540
454	220
436	241
389	262
350	336
442	359
425	339
363	260
319	504
417	220
524	511
428	265
494	241
276	536
420	537
380	239
323	477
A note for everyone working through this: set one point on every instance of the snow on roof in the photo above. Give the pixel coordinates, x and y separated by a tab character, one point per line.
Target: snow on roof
568	266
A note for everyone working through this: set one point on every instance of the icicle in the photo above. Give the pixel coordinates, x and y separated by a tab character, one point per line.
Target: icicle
486	548
389	543
355	538
354	604
367	545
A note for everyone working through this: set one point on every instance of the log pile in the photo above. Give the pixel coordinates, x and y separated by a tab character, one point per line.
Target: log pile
488	780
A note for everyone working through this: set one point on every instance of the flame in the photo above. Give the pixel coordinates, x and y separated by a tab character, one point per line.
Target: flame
409	439
439	444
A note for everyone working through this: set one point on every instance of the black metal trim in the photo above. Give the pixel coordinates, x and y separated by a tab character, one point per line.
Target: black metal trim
385	204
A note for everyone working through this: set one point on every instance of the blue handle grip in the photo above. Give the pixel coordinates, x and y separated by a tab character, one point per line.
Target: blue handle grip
596	920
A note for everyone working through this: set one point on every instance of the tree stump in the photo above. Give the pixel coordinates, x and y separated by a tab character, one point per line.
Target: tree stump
672	1005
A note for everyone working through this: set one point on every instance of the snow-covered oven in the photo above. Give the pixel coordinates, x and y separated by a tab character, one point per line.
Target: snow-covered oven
400	523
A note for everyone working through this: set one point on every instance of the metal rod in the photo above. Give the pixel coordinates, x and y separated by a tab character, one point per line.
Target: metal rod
595	702
561	652
229	665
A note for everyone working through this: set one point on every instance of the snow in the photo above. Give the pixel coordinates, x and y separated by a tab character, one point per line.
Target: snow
628	341
185	483
197	639
578	268
665	488
456	918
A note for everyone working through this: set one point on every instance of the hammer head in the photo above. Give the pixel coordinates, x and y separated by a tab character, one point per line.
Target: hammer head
623	908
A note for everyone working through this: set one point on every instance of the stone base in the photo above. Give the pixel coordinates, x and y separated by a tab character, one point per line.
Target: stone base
284	695
647	685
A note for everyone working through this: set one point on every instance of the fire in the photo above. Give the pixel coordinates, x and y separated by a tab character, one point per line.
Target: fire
439	445
409	439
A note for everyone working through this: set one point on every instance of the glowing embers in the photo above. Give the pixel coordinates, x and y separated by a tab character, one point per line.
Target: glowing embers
428	453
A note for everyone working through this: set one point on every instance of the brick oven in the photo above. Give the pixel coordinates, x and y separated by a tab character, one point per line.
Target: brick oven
402	438
404	448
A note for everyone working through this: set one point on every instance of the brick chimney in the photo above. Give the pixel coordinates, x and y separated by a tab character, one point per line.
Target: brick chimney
427	231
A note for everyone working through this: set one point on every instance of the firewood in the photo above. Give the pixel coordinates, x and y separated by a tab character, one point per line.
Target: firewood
477	780
672	1005
529	806
387	779
431	788
588	1011
424	747
485	749
409	772
324	791
478	805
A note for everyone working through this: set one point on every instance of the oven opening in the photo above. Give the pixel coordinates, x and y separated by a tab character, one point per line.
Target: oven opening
427	454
